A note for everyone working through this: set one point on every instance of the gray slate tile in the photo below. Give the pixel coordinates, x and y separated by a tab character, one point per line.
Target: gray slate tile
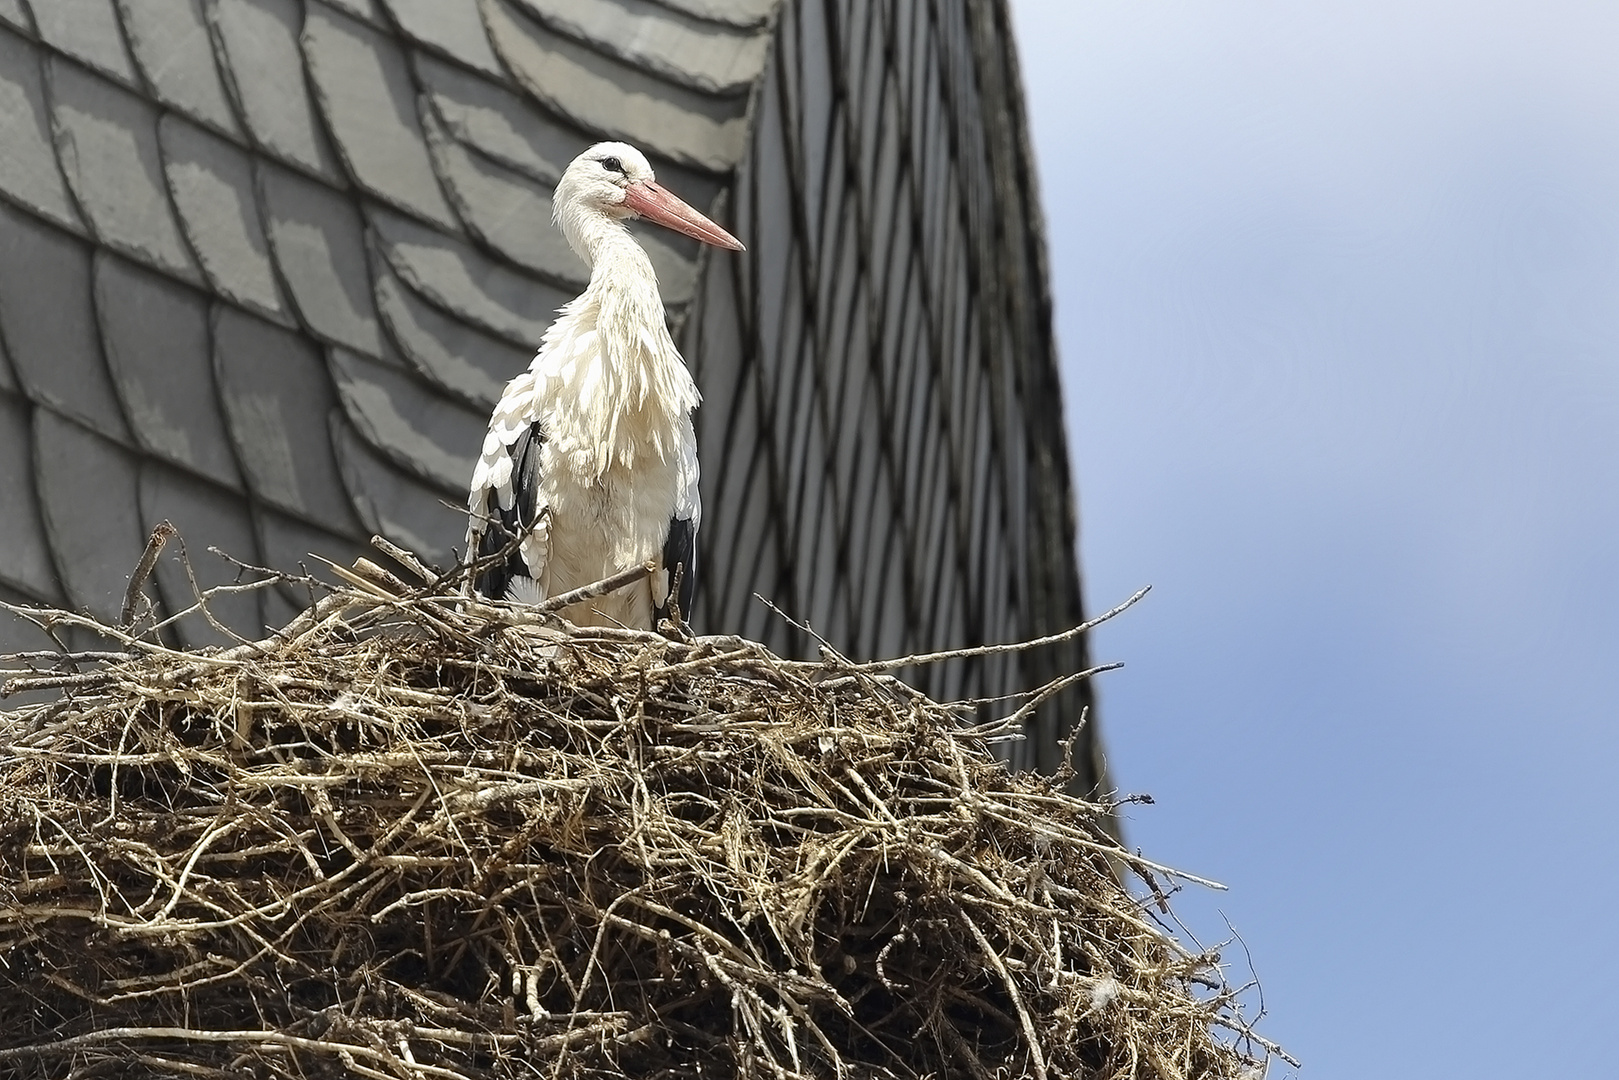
418	428
276	392
732	12
264	71
316	237
13	12
87	497
618	99
206	517
106	138
155	333
655	37
25	560
212	184
369	10
453	27
29	174
507	210
19	635
49	324
172	45
87	30
394	504
462	359
288	543
369	102
506	127
455	276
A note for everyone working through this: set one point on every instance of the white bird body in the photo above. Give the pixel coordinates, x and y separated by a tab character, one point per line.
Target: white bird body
590	463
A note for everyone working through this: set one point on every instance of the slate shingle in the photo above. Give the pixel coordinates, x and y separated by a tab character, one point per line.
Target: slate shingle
49	325
453	27
87	502
698	53
508	128
506	209
107	141
25	560
206	517
29	173
19	635
369	10
316	237
264	71
155	333
617	99
395	504
287	544
455	276
467	362
176	54
88	30
276	393
366	94
418	428
212	184
732	12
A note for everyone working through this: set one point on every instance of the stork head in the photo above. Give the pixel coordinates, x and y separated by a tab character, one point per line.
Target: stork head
613	181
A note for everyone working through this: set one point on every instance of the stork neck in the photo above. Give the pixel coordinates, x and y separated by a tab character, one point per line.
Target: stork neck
596	237
620	261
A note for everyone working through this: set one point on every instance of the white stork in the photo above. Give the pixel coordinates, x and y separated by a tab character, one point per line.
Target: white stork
590	464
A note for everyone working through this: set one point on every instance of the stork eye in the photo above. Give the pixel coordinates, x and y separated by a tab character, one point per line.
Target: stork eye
612	164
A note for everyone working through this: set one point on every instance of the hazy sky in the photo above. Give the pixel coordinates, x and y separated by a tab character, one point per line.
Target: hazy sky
1337	294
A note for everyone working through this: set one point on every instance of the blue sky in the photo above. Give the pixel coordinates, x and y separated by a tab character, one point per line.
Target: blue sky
1337	292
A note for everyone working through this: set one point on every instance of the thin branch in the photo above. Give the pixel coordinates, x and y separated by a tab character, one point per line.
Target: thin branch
161	532
1015	646
598	589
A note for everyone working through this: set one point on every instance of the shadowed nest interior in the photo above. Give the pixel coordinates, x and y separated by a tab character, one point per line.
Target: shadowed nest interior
413	837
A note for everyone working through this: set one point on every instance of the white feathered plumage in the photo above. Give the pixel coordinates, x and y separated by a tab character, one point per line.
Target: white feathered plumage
590	464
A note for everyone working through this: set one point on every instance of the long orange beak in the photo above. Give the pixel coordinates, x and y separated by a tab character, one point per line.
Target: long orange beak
657	205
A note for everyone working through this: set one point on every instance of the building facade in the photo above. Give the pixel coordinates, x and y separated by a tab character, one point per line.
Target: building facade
266	264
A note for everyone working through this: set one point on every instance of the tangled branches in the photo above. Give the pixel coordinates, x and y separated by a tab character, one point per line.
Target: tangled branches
412	837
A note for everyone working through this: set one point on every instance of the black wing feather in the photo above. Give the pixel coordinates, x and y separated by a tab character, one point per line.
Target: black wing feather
505	526
679	558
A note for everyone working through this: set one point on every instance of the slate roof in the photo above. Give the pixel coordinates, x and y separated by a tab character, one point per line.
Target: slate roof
266	264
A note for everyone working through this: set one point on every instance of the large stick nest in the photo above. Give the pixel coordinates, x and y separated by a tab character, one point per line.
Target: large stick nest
411	837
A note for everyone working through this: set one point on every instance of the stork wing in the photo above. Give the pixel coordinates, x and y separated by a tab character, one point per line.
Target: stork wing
679	569
679	562
518	528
